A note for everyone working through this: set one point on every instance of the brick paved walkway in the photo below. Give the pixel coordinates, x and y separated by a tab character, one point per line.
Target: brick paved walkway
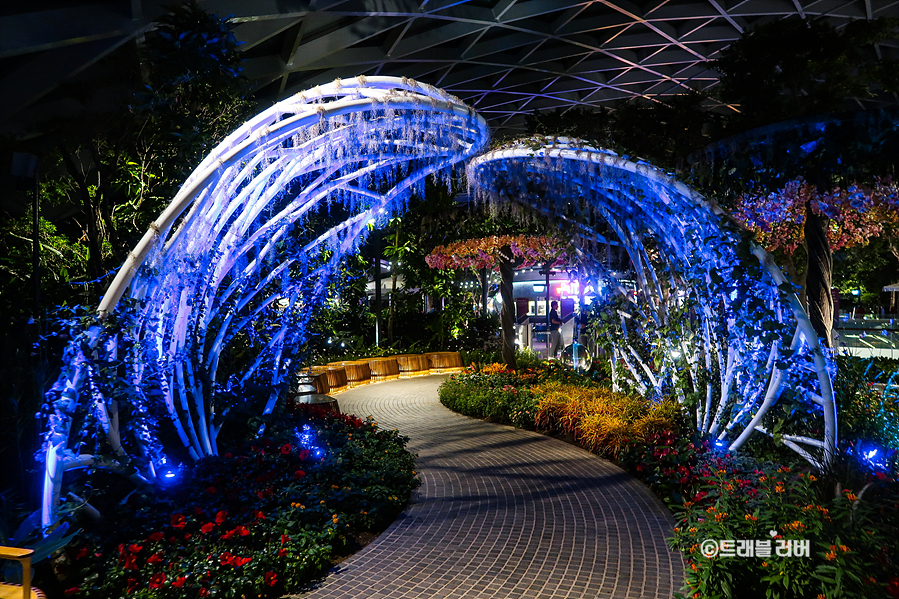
504	513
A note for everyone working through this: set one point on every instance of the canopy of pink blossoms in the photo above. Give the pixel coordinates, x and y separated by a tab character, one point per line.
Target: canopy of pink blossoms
486	252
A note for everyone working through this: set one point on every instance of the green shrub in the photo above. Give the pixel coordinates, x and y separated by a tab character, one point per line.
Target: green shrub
494	397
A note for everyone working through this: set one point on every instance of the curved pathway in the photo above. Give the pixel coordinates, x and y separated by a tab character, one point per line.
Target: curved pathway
504	513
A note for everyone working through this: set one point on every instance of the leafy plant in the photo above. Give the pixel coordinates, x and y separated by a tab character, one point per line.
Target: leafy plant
30	535
745	500
259	520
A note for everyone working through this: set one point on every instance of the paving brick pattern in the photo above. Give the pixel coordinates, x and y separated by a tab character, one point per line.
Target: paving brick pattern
504	513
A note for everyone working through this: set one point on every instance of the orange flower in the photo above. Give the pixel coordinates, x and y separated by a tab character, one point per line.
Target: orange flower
750	517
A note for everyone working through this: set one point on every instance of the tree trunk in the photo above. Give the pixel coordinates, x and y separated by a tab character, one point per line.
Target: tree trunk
508	314
819	275
392	312
93	218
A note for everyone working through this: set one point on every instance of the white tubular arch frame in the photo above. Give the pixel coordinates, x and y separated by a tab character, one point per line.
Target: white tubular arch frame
223	258
698	243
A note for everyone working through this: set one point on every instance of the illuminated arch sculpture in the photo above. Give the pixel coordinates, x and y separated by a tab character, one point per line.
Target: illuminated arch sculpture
749	325
223	259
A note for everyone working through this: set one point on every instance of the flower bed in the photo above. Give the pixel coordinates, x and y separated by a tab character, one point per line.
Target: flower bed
852	542
852	534
554	399
258	521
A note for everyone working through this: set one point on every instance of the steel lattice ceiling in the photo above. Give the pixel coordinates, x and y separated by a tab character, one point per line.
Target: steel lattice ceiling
506	58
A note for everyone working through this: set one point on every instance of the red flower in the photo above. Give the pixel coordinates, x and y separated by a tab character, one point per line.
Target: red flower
893	588
226	559
157	580
220	517
72	591
135	548
131	562
203	591
271	578
179	582
155	558
131	584
286	448
198	511
187	536
82	553
304	454
155	537
284	539
211	490
242	561
282	552
240	530
178	521
299	474
207	528
260	515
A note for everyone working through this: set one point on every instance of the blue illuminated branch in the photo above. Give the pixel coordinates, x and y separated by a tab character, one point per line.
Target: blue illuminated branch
213	266
751	328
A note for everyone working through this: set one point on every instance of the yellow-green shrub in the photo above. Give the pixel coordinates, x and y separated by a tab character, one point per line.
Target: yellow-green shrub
602	420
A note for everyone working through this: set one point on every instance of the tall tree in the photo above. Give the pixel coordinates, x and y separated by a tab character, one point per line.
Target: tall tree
798	222
791	68
124	168
796	67
504	253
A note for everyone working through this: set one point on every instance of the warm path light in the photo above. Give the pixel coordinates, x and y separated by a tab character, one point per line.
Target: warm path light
750	326
228	258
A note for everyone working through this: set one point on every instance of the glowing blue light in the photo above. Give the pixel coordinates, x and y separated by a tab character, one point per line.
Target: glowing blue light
168	474
870	454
